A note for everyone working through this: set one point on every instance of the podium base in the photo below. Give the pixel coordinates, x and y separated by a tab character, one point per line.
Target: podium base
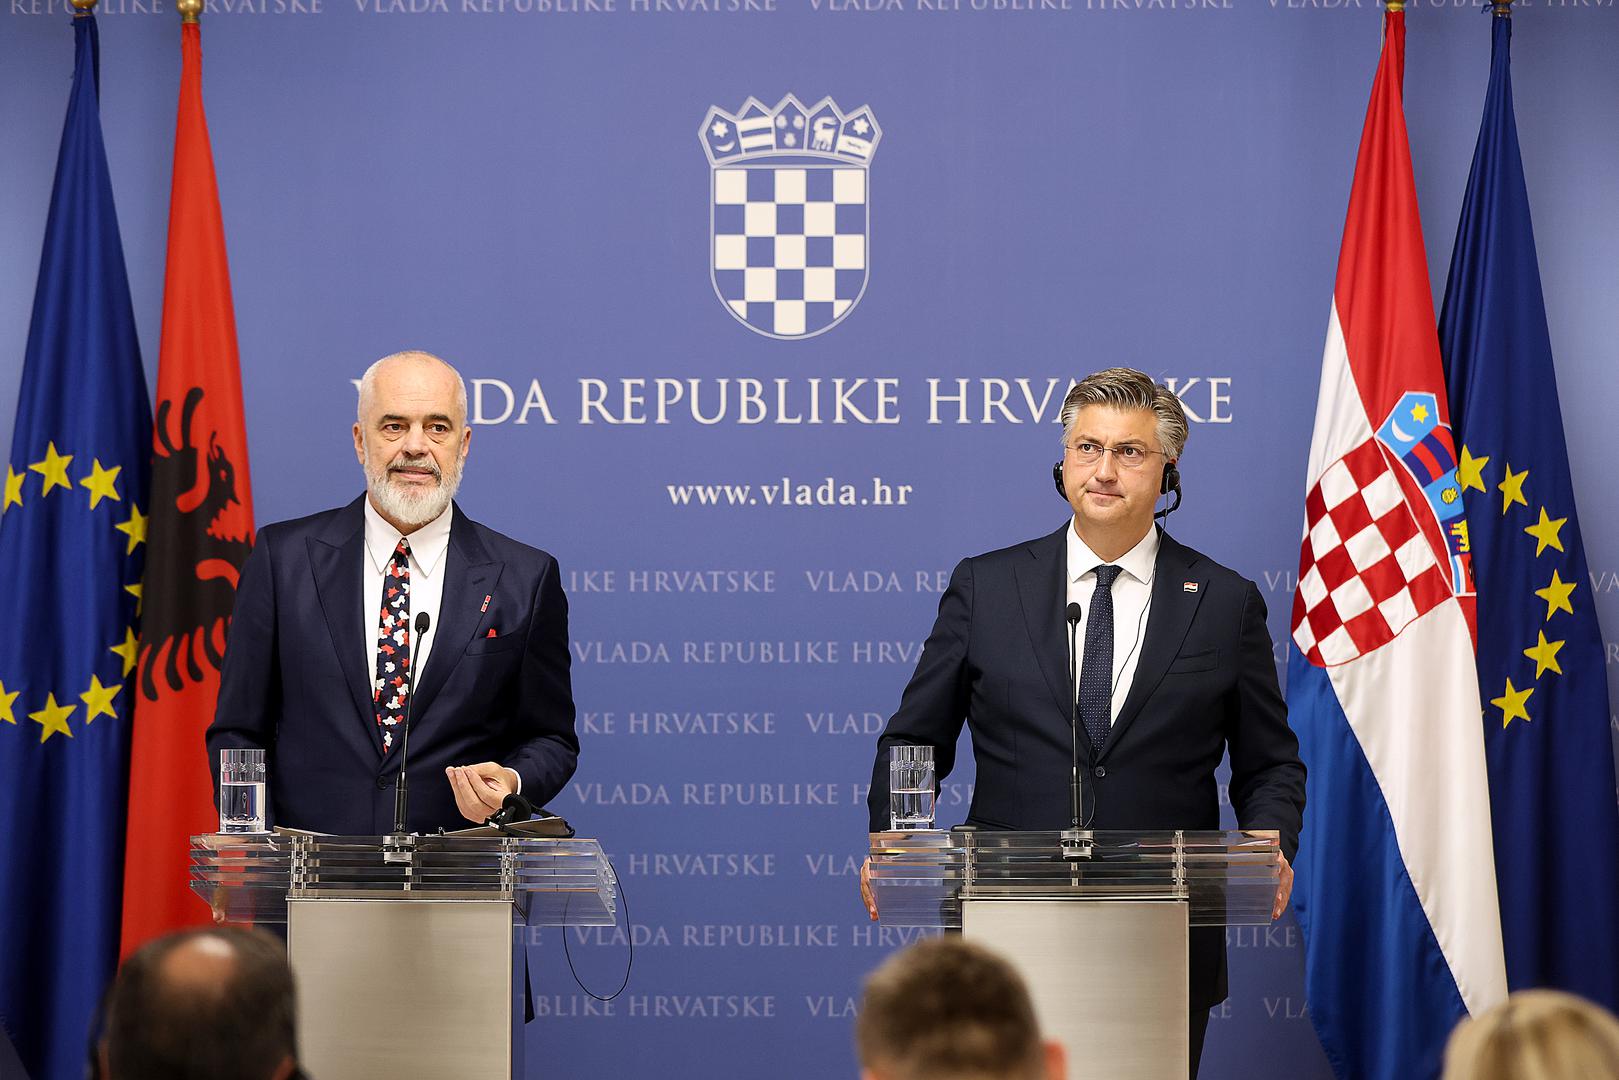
397	989
1108	978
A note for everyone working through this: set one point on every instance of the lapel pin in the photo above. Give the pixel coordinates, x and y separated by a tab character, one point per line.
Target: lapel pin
486	600
1189	586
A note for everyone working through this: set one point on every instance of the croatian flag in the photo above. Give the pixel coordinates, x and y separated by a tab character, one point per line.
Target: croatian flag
1395	886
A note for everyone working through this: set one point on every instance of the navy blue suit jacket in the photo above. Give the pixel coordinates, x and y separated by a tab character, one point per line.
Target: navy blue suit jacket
997	660
296	679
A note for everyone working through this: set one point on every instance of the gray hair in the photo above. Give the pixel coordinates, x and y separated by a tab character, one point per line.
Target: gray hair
368	381
1127	388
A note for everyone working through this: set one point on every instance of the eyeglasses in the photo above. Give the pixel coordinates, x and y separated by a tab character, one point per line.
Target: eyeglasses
1128	456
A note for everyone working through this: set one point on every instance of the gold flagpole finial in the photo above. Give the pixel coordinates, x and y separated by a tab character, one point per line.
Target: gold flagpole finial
1501	9
188	9
83	7
1394	6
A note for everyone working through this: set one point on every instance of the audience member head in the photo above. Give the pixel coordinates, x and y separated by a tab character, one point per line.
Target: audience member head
1535	1035
946	1009
202	1005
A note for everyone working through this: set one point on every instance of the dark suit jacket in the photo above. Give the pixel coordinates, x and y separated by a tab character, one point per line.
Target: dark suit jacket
296	679
997	659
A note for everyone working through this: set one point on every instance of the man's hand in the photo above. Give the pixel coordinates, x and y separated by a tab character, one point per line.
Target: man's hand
1284	888
1284	881
480	789
865	890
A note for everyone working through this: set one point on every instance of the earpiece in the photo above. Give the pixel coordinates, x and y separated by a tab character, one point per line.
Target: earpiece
1172	479
1170	485
1056	474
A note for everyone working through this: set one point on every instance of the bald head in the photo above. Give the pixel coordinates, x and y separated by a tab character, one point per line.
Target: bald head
203	965
200	1004
413	365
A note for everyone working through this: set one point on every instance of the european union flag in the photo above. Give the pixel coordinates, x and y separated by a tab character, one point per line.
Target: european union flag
72	527
1540	656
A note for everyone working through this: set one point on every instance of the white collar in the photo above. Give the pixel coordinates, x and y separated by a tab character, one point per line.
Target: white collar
427	543
1138	562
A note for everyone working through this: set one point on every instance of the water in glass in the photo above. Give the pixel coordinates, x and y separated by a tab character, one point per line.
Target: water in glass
241	807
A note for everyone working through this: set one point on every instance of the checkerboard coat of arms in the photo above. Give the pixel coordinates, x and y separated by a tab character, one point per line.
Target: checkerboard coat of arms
789	211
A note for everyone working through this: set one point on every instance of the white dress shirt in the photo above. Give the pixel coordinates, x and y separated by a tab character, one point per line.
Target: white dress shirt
1132	597
427	547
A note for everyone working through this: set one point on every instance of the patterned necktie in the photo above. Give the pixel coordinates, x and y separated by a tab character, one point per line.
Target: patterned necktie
393	645
1096	672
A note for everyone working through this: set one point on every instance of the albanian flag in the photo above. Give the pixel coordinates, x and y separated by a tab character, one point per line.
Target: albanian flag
200	532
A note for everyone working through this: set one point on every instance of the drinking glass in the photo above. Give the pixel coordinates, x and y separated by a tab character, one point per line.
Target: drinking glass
241	791
910	787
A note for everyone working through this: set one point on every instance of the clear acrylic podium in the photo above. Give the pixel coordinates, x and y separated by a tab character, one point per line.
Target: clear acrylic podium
408	951
1096	922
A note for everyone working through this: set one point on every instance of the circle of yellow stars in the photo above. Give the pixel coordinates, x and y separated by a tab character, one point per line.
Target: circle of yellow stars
1546	531
100	485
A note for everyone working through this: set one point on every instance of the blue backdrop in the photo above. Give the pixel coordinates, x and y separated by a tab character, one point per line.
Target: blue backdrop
519	185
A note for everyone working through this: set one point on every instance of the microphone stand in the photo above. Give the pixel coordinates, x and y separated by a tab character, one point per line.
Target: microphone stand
402	785
1071	847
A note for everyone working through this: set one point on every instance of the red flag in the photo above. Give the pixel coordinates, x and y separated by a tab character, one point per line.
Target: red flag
200	531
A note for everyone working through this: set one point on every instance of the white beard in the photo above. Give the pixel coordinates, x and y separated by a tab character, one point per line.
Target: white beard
408	504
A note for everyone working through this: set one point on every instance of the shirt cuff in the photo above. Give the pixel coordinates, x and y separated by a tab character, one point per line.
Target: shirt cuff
518	788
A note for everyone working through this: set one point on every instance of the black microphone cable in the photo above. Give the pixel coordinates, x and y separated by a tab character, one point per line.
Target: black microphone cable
629	936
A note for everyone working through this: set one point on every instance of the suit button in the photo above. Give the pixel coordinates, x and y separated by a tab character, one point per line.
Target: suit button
382	783
1100	771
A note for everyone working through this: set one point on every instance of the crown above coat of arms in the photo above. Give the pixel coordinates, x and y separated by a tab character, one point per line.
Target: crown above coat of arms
823	131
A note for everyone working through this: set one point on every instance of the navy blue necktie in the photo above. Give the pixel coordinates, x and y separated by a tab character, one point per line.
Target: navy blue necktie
1096	670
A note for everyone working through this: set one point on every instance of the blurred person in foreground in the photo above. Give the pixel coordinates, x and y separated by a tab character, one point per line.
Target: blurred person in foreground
1536	1035
202	1004
946	1009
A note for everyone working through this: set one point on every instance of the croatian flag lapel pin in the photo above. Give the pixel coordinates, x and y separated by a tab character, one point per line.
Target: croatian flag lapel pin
1189	586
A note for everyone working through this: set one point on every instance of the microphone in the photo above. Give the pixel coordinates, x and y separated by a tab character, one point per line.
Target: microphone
1073	709
402	785
513	808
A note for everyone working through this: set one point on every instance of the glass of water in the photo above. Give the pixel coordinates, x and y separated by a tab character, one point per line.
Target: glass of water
910	787
241	791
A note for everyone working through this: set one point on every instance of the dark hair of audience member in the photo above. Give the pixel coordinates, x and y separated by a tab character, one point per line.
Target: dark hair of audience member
224	1007
948	1010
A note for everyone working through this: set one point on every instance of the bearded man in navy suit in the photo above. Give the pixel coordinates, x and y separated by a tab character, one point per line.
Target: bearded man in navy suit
1177	668
323	639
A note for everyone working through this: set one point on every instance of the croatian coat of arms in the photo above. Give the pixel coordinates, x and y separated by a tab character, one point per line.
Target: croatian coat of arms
790	221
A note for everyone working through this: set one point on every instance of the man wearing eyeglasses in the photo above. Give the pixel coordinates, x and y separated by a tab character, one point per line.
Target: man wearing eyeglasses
1174	658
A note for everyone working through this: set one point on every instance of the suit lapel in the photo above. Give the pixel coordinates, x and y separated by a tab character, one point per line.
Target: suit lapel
337	559
469	575
1043	592
1171	616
